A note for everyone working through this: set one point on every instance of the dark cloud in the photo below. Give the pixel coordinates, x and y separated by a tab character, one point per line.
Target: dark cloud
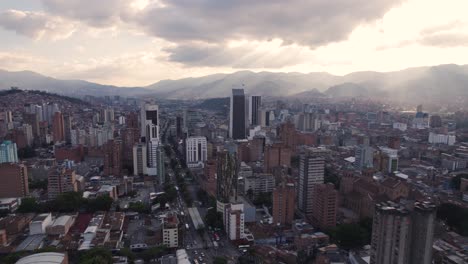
307	22
445	40
244	56
35	24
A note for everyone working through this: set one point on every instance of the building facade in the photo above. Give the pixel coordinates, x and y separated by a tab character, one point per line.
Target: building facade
284	204
237	122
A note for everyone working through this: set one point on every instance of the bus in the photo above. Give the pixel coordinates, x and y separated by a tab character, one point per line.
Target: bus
244	246
187	226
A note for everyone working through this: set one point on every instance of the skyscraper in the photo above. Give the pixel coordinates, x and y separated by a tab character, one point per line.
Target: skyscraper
237	122
311	173
254	110
139	159
424	217
58	127
150	121
227	170
284	204
400	235
8	152
67	127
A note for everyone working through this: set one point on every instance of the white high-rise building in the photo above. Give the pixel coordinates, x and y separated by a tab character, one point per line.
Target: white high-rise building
234	221
196	151
447	139
152	152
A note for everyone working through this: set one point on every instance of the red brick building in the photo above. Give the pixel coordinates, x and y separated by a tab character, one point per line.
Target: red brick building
284	204
277	155
113	157
58	127
14	180
325	205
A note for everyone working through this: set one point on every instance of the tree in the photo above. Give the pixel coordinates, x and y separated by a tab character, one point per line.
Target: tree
138	207
265	199
29	205
154	252
68	202
100	203
454	216
214	219
219	260
349	236
96	256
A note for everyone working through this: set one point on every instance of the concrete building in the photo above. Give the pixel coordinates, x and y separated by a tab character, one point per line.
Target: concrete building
237	122
139	160
234	221
311	173
196	151
61	180
364	157
259	183
39	224
8	152
60	226
9	204
284	204
14	180
400	235
447	139
325	206
171	231
149	121
422	233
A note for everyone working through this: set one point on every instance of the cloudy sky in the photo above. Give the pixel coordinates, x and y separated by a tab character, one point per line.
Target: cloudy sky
138	42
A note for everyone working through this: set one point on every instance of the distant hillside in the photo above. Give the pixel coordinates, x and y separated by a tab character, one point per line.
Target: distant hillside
214	104
28	80
443	83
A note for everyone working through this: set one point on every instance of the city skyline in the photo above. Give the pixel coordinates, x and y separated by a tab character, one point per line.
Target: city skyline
139	42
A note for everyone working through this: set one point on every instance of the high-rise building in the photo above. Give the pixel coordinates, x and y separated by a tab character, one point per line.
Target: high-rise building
311	174
113	157
131	120
179	127
422	232
150	122
226	184
107	115
139	160
61	180
254	110
325	205
284	204
364	157
14	180
152	152
33	120
234	221
400	235
8	152
28	133
67	126
237	122
130	137
196	151
58	127
161	166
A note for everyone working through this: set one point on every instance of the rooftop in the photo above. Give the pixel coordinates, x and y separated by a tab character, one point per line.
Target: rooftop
43	258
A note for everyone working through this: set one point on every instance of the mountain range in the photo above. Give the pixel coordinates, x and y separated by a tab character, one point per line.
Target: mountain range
442	83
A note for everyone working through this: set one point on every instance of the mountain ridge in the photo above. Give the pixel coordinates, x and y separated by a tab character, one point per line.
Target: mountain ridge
446	82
